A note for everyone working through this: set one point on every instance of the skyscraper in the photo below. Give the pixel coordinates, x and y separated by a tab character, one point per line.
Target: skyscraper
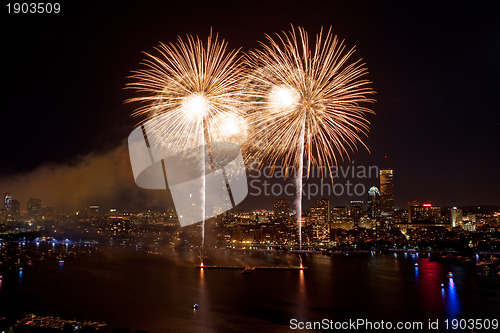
34	207
281	211
356	211
7	201
456	216
340	214
320	212
411	205
387	192
373	203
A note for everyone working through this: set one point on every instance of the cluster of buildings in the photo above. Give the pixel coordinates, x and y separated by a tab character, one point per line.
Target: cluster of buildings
11	210
379	211
319	225
323	220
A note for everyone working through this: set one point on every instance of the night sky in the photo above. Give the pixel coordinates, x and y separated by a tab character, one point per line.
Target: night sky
435	68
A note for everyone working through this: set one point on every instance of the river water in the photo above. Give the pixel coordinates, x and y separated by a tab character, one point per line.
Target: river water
156	292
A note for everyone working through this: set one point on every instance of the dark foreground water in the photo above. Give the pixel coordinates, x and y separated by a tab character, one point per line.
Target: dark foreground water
130	289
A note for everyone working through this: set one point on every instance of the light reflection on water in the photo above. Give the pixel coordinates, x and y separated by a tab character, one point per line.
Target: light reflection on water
451	299
302	297
154	292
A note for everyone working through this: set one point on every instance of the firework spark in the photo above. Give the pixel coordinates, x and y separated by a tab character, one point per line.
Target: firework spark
306	102
310	93
193	86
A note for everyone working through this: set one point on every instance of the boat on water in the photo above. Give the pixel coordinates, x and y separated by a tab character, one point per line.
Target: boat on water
195	306
248	270
485	263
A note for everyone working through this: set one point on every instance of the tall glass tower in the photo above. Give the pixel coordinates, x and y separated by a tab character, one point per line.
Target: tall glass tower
373	203
387	192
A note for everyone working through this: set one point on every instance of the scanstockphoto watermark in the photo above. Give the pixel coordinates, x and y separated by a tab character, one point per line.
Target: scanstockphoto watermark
344	180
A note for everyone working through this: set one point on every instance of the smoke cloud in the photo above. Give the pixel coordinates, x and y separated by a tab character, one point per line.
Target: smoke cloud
98	178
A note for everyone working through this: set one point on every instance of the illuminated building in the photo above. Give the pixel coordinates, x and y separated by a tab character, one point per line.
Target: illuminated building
320	212
356	211
34	207
48	213
340	214
93	210
469	226
321	232
456	216
218	210
374	202
425	213
281	211
340	218
470	218
387	192
7	201
411	204
119	226
320	218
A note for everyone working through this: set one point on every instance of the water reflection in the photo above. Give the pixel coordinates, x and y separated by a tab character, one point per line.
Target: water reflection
201	283
337	286
201	291
301	295
451	299
302	285
430	275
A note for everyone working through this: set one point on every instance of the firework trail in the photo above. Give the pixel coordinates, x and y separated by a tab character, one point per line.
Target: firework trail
194	89
306	103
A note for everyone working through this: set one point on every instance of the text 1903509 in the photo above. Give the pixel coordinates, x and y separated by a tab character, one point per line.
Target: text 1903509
33	8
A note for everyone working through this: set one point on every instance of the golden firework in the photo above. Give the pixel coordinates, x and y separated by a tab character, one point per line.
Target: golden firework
306	104
307	100
192	87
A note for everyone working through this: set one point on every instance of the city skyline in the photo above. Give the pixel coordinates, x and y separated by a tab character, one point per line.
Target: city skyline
162	201
379	202
139	218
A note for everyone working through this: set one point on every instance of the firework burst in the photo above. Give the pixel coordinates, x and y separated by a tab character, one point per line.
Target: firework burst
307	99
191	86
306	103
